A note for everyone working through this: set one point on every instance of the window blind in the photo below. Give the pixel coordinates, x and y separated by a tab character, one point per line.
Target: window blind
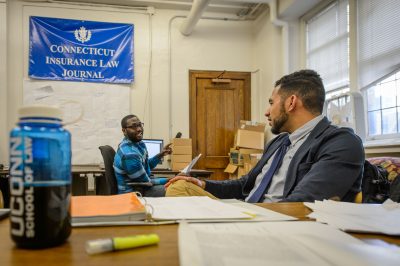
328	45
378	39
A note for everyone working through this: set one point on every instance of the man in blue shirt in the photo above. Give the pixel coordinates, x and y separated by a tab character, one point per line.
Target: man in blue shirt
132	162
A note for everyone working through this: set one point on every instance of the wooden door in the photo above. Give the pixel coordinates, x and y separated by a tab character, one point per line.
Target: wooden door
215	111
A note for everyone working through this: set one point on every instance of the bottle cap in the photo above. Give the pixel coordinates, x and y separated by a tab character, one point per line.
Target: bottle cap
40	111
99	246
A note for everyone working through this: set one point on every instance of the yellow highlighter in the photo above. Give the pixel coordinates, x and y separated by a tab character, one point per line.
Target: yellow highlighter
117	243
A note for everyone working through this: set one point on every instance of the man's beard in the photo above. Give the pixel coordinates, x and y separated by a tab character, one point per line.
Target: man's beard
134	137
279	122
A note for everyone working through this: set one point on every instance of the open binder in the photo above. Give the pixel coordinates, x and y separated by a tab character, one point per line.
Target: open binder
132	209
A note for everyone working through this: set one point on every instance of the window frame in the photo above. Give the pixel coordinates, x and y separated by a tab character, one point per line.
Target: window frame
387	140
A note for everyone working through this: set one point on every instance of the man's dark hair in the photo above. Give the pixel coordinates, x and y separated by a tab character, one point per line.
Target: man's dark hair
124	120
306	84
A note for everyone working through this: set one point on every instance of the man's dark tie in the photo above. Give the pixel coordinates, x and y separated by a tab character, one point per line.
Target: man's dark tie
276	163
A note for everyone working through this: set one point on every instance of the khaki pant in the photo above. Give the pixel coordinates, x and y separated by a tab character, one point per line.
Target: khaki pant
182	188
1	200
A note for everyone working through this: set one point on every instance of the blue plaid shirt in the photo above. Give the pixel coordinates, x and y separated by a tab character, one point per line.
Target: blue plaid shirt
132	164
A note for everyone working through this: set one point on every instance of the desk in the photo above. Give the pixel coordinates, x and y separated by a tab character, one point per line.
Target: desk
5	186
195	172
80	174
79	180
166	253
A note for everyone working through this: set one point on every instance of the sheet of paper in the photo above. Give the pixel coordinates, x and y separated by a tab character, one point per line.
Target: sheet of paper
194	208
259	213
104	105
353	217
278	243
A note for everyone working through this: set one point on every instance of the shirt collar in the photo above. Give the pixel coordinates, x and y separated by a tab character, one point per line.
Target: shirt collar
127	140
304	130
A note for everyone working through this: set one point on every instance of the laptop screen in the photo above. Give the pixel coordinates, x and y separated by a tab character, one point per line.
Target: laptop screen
154	146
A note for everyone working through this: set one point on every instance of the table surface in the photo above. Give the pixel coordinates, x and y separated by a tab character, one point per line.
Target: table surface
75	169
194	172
165	253
96	169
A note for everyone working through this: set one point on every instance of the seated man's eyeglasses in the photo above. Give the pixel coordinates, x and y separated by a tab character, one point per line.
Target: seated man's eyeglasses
135	125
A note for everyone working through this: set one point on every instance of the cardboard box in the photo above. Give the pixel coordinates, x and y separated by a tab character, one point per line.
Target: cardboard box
242	171
250	160
250	135
236	172
237	156
181	142
231	170
246	158
254	158
250	151
252	126
182	150
250	139
178	166
181	158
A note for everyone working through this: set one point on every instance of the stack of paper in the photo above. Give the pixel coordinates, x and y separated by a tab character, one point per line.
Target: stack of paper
369	218
277	243
89	210
205	209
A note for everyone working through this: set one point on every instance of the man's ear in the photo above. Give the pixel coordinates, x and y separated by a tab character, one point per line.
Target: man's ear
292	102
124	131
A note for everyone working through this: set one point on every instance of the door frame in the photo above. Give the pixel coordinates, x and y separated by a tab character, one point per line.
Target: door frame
210	74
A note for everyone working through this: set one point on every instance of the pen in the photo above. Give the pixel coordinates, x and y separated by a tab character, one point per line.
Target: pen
118	243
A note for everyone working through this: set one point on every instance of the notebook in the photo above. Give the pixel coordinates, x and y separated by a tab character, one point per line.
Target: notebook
107	209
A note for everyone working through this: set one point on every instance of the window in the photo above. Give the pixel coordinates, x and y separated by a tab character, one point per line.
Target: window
335	108
336	93
327	37
373	58
383	107
378	48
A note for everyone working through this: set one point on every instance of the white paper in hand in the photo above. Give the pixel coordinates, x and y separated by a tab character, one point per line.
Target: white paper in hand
189	167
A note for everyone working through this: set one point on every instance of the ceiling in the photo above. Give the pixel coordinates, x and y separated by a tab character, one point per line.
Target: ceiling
238	8
242	9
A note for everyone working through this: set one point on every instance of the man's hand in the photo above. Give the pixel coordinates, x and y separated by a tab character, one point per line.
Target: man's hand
166	150
190	179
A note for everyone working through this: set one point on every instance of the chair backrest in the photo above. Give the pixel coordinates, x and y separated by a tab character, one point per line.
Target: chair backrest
108	184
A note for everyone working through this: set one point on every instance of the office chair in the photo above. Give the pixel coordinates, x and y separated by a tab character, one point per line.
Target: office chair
108	185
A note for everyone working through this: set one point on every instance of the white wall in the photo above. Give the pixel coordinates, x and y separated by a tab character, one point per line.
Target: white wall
213	45
267	56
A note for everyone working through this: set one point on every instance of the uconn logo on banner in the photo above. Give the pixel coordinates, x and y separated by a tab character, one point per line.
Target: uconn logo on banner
67	50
